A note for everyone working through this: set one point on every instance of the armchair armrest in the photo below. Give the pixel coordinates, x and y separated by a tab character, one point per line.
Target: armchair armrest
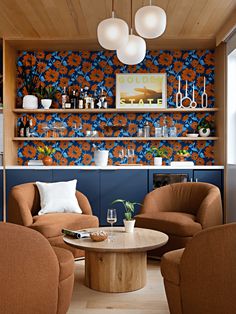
83	203
170	266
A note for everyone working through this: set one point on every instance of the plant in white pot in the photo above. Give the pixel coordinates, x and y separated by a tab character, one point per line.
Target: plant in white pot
129	222
46	94
204	128
158	154
30	78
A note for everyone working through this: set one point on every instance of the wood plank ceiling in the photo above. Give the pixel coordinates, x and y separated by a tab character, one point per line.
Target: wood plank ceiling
190	23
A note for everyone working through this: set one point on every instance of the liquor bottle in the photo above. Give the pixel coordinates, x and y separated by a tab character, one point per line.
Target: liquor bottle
68	103
63	98
21	128
27	128
103	99
86	98
81	99
73	99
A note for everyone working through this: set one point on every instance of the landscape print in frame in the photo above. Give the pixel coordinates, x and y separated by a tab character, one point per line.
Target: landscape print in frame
142	90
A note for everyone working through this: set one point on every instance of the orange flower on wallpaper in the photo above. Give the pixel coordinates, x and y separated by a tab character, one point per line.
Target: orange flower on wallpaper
109	145
165	59
188	74
86	66
200	161
109	82
73	119
209	152
131	116
74	60
42	66
176	146
108	69
51	75
63	70
177	54
86	146
132	128
178	66
210	89
194	63
40	54
87	159
74	152
194	156
169	90
64	81
102	64
120	120
194	125
201	144
63	54
28	60
85	54
97	75
63	161
57	155
86	116
57	64
210	59
29	151
63	145
117	62
200	69
148	156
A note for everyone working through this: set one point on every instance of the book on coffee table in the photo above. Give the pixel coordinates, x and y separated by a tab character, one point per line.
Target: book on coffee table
76	234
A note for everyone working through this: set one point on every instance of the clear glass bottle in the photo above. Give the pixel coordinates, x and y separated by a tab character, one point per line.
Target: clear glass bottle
158	130
173	130
165	129
146	130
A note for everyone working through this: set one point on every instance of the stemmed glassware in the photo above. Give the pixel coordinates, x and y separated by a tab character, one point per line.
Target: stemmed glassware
131	155
122	155
111	219
77	127
45	128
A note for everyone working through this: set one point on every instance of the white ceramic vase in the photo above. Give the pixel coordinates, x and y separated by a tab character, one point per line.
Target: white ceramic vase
30	102
129	225
101	157
204	134
46	103
157	161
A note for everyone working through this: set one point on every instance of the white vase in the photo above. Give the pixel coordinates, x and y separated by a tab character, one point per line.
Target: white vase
157	161
204	134
46	103
101	157
129	225
30	102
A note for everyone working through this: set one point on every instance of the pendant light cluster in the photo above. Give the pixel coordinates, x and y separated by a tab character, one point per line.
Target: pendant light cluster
113	33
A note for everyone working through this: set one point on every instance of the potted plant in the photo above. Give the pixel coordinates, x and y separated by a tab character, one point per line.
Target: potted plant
47	152
182	153
204	128
129	210
46	94
30	79
158	154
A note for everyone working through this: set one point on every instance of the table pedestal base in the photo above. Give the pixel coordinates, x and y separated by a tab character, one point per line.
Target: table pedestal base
115	272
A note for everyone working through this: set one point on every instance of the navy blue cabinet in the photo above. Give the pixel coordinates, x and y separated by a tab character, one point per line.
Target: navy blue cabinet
19	176
130	185
183	174
210	176
87	183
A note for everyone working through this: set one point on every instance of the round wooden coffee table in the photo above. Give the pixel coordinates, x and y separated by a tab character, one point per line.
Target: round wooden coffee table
120	264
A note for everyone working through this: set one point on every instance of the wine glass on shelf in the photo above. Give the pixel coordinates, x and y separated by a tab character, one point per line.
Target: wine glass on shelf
77	127
45	128
111	219
122	155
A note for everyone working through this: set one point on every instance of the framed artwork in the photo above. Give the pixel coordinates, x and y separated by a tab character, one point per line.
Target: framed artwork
142	90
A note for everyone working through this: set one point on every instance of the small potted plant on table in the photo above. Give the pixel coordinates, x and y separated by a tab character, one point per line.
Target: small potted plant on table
182	154
158	154
129	222
46	94
47	152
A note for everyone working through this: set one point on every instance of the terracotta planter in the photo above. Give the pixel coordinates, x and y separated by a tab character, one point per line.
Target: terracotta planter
47	161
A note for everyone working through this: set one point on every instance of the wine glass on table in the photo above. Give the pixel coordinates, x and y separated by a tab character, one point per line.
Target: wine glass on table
111	218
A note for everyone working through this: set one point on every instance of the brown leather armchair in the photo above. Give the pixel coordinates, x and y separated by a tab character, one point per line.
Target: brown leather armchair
35	277
23	208
180	210
202	277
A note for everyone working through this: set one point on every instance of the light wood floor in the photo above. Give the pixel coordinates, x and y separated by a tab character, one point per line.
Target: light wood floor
149	300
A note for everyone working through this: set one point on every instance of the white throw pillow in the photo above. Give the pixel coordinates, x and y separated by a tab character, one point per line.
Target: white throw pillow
58	197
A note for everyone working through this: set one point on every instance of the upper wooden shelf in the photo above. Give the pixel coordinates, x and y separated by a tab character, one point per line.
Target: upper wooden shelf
103	138
113	110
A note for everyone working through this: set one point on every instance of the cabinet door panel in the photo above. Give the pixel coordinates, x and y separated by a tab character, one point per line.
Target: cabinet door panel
87	183
130	185
209	176
187	172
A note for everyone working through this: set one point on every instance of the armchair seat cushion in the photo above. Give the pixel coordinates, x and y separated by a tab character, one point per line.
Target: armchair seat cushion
50	225
175	223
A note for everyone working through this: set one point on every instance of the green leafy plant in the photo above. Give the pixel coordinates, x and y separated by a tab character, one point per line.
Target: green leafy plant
183	152
46	151
47	92
30	76
129	207
157	152
204	125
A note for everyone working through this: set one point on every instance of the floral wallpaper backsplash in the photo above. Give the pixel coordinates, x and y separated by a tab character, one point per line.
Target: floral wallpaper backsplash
97	70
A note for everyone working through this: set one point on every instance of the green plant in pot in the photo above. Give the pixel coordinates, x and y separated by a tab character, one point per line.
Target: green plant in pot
158	154
204	128
46	94
47	152
182	154
129	211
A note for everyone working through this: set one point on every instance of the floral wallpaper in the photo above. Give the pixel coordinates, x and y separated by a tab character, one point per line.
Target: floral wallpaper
97	70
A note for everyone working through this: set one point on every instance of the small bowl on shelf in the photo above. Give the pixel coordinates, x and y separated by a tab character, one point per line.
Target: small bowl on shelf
98	236
194	135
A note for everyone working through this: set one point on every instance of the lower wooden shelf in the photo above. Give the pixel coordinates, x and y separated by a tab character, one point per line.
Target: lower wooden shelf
212	138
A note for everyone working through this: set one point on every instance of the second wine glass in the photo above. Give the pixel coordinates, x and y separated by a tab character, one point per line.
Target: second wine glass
111	218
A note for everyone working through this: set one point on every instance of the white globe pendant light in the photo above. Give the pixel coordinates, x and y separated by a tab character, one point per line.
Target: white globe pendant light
150	21
133	52
112	33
